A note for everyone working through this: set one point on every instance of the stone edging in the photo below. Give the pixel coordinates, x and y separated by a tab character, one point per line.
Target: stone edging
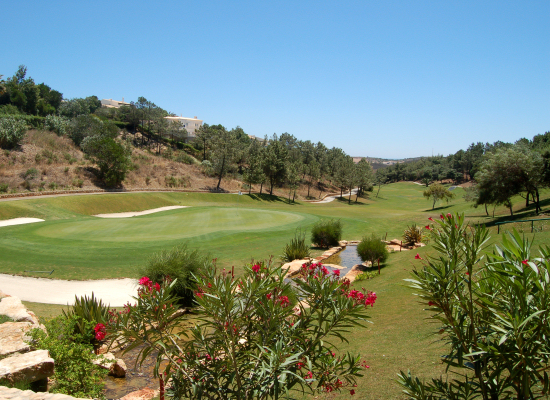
7	393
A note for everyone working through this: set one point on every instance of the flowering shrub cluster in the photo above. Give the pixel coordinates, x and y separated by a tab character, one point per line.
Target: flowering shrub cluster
100	332
494	314
255	340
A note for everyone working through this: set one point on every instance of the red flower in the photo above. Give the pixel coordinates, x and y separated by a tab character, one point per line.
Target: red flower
431	303
256	268
467	273
352	392
99	327
449	215
336	272
283	300
428	227
157	287
431	219
268	296
417	257
145	281
441	216
100	335
524	262
309	375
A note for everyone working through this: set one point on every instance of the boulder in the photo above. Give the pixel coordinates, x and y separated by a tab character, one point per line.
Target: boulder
30	367
118	368
143	394
12	338
13	308
105	361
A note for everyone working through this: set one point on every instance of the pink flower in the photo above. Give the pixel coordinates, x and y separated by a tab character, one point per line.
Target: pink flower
325	271
336	272
256	268
441	216
449	215
145	281
157	287
268	296
309	375
100	335
99	327
524	262
371	299
417	257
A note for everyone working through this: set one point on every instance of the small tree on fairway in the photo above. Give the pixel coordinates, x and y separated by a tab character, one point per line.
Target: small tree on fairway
438	192
372	249
326	233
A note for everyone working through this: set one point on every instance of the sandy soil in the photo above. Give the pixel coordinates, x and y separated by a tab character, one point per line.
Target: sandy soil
115	292
19	221
328	199
137	213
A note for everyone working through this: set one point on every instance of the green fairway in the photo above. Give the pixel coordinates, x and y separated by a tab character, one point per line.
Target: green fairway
236	228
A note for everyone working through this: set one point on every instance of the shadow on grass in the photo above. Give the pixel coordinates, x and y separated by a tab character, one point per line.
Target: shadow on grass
266	197
437	208
346	201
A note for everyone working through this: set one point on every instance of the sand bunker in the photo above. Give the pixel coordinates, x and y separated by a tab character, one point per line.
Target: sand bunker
137	213
19	221
117	292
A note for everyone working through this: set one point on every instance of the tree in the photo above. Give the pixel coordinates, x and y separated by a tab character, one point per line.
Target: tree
364	176
110	154
372	249
293	172
224	152
276	155
251	341
438	192
492	314
204	135
12	131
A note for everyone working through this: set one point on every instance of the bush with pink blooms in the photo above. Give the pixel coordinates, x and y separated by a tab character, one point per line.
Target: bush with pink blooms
251	342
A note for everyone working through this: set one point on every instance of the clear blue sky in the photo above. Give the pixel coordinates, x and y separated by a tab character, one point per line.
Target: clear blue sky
377	78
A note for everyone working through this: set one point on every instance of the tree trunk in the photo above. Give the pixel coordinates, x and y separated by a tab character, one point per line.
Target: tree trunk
294	195
341	192
378	190
433	205
308	186
261	186
537	202
349	198
511	211
486	211
221	173
527	200
289	193
249	189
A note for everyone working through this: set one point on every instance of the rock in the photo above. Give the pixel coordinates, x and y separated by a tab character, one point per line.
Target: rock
118	369
2	295
12	338
30	367
105	361
17	394
396	242
143	394
13	308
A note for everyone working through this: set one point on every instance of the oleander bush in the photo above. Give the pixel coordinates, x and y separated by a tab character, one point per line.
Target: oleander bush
372	249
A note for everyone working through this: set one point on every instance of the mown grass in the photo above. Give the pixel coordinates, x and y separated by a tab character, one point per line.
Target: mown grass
399	337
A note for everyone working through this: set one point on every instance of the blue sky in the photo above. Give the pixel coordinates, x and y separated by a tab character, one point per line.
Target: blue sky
389	79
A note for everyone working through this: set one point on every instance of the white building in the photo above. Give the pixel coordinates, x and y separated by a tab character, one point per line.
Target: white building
189	124
110	103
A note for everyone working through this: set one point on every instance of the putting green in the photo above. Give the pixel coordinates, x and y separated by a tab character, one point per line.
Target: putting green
171	225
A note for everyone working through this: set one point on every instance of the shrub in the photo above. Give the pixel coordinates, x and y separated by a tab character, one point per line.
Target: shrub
12	131
87	310
181	264
364	276
78	182
31	173
57	124
250	343
296	249
326	233
4	187
491	312
74	374
413	234
185	158
53	185
372	249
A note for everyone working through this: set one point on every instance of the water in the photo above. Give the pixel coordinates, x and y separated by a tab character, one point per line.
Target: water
346	258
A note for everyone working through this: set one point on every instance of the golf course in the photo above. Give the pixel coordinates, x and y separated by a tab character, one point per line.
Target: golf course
235	228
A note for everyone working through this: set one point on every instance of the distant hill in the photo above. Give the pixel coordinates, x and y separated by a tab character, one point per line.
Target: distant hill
378	163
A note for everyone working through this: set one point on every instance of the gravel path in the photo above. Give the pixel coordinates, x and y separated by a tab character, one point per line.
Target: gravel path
115	292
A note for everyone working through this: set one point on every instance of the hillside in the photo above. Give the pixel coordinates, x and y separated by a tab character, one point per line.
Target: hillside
47	162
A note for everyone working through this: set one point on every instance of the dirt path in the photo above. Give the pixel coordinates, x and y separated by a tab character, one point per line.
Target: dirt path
115	292
328	199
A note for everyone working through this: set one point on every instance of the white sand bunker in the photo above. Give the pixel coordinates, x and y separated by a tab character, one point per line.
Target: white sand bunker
137	213
19	221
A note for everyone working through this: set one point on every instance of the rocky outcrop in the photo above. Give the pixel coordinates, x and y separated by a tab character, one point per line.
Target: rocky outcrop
7	393
116	367
29	367
13	308
12	338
